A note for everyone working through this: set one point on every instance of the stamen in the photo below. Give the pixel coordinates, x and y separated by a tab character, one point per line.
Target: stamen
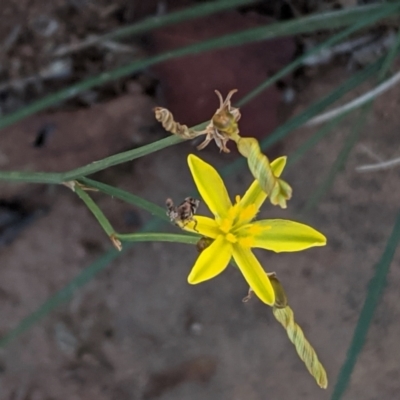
248	213
231	238
225	225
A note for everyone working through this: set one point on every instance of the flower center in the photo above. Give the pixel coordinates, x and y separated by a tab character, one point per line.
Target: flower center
247	214
231	238
225	225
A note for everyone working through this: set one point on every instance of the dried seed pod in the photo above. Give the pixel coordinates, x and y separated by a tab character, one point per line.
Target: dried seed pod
203	243
280	295
226	118
168	122
222	127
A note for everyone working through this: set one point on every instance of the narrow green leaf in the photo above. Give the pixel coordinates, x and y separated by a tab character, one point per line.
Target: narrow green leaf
322	21
391	55
314	139
317	107
62	295
298	120
354	134
339	162
374	293
152	23
362	23
278	134
41	177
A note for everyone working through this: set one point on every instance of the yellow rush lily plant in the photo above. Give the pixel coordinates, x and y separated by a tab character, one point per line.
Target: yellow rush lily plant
234	232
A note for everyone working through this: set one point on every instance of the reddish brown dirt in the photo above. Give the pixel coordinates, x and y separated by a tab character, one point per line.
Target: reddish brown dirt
138	330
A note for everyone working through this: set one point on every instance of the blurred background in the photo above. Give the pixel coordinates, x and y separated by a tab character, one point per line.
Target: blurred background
78	82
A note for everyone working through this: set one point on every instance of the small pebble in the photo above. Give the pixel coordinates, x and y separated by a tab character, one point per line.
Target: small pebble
45	26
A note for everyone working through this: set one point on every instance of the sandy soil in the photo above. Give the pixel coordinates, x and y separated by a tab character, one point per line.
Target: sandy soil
139	331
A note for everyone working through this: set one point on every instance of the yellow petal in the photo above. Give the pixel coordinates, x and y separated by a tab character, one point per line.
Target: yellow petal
210	185
254	274
282	235
255	195
211	261
204	225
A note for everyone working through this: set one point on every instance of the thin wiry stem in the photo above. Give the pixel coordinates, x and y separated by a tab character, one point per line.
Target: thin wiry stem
379	166
369	152
358	102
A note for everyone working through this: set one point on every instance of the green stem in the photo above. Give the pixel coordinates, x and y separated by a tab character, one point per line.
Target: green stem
279	133
329	20
127	197
157	237
96	166
121	158
95	210
130	198
376	287
43	177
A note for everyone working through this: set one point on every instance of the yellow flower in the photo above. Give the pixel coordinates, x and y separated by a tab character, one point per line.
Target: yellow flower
234	233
